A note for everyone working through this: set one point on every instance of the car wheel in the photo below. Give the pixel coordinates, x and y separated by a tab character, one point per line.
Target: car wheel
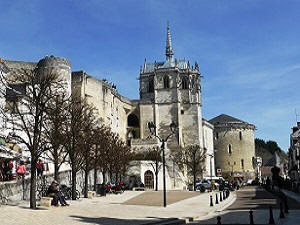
202	189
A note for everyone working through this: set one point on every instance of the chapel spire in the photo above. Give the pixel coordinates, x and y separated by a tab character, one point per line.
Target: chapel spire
169	49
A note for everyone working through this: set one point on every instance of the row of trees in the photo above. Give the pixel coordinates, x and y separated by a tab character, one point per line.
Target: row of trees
46	119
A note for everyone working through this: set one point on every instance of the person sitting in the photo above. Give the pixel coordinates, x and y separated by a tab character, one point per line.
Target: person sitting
54	191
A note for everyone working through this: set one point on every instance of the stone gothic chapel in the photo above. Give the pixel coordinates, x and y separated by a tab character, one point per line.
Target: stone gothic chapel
170	91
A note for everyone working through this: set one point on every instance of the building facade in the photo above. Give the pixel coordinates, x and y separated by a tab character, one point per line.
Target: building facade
234	146
170	91
294	153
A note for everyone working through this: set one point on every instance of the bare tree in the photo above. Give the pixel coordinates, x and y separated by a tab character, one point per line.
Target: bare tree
88	146
28	93
53	129
78	112
192	157
154	155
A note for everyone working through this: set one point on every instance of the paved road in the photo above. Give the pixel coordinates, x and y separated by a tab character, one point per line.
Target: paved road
113	210
257	199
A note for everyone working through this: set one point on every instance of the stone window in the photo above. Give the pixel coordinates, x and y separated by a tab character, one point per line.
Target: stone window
242	164
166	82
182	112
151	86
217	135
240	135
229	149
185	83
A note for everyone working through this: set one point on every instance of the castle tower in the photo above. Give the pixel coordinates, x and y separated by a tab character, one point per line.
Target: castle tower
170	91
59	66
235	148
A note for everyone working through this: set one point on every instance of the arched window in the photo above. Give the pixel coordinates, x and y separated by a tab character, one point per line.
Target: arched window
229	149
133	121
185	83
166	82
240	135
151	86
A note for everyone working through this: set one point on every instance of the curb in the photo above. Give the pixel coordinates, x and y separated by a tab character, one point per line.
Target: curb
217	210
170	221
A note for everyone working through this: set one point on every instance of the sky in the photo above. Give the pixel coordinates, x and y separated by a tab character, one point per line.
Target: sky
248	51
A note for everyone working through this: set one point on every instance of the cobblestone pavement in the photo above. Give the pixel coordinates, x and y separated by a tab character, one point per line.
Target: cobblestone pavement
259	200
110	210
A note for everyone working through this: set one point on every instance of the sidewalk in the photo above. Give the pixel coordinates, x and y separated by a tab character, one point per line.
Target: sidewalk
292	195
111	210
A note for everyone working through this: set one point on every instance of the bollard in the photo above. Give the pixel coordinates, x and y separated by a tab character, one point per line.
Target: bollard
281	215
219	220
271	219
286	207
217	202
221	197
211	201
251	217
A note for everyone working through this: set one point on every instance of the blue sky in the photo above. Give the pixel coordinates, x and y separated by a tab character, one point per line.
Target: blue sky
248	51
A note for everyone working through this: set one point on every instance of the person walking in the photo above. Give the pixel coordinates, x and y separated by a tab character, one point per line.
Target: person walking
40	167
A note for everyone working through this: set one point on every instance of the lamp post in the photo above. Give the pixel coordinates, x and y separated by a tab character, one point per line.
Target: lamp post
210	165
152	129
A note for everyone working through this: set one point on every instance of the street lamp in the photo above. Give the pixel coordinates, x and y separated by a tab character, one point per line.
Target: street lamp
152	129
210	165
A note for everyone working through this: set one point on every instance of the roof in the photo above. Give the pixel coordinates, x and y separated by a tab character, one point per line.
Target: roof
274	161
224	120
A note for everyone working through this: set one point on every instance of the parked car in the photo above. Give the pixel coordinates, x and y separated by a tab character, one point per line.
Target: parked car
203	185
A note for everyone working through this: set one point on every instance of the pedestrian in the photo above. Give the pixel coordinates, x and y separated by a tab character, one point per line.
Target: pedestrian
40	167
58	196
21	169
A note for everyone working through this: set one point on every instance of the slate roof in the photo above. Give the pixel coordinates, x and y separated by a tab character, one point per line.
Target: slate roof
224	119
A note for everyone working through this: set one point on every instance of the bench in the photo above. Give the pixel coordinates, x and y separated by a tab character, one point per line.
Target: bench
138	189
91	194
46	201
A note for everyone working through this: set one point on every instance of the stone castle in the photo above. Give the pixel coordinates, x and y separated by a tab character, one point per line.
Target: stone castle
170	91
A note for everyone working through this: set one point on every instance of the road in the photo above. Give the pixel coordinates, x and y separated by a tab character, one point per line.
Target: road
258	200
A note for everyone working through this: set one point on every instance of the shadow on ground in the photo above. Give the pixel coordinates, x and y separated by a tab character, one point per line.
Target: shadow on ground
257	199
117	221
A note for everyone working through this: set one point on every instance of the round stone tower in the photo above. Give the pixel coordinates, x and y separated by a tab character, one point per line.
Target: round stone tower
234	147
59	66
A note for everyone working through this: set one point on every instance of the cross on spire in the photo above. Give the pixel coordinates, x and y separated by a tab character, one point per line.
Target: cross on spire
169	49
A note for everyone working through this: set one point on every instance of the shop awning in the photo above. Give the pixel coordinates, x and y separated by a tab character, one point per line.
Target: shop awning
8	153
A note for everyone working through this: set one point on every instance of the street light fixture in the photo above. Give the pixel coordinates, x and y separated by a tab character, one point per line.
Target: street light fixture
152	129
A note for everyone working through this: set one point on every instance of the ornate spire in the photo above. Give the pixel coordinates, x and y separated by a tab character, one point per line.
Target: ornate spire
169	49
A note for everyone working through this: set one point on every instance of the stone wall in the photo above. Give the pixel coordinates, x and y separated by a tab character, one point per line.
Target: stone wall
13	190
242	147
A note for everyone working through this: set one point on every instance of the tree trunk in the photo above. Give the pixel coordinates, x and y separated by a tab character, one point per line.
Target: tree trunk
103	176
33	183
95	178
116	179
156	176
194	174
74	172
86	183
56	169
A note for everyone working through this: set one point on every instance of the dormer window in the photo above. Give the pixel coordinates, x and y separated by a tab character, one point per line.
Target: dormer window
166	82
